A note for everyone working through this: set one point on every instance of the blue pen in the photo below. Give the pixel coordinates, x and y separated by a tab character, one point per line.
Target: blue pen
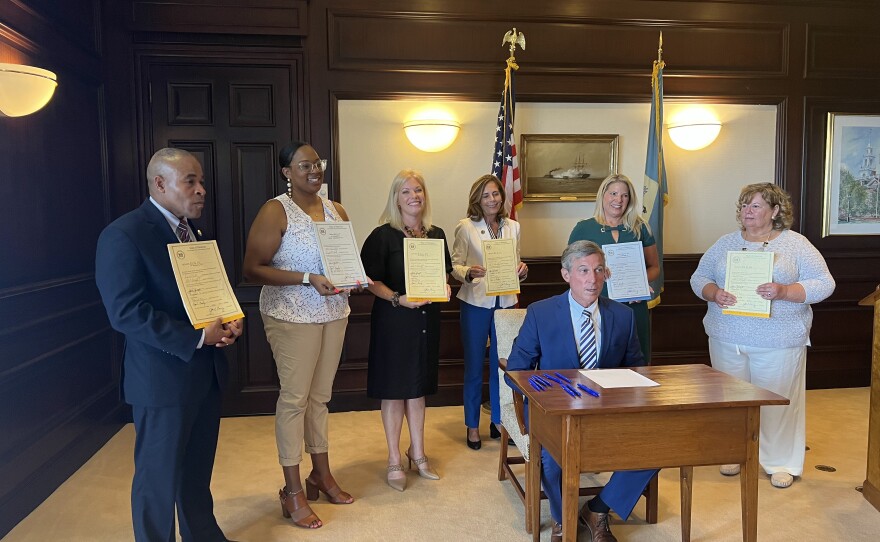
591	391
535	382
566	386
568	391
546	383
563	377
534	386
553	378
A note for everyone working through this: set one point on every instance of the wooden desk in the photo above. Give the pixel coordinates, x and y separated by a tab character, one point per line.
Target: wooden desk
696	416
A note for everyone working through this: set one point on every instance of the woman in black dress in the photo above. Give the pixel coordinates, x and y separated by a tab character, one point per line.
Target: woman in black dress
404	335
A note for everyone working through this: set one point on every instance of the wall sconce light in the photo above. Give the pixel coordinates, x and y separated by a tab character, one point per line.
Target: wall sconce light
694	128
431	135
24	89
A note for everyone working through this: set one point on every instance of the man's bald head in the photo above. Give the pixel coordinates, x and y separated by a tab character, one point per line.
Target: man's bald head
162	162
176	182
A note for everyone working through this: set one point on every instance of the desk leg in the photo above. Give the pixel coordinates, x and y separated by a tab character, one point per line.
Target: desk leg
533	484
687	490
571	476
749	476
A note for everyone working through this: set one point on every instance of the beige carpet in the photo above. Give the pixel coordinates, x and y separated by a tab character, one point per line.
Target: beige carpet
468	503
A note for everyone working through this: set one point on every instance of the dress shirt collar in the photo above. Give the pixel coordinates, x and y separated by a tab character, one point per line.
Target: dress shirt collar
173	221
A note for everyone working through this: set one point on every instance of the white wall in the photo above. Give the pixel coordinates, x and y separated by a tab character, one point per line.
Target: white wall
703	184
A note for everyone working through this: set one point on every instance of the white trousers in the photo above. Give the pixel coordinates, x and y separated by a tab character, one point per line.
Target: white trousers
783	371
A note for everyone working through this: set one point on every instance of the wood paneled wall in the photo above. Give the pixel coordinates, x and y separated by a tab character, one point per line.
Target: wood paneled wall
58	366
783	52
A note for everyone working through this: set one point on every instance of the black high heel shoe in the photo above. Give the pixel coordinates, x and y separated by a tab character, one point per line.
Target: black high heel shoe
473	444
494	433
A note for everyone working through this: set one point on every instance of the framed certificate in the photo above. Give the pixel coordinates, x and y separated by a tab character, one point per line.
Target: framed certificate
499	259
745	272
424	262
629	276
203	284
339	254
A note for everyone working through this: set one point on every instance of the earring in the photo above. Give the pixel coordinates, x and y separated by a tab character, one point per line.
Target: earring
289	189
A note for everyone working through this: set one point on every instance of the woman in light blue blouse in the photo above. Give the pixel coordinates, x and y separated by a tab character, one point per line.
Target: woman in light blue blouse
768	352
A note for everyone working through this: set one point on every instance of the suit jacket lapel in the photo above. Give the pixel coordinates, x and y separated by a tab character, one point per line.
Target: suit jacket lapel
607	327
157	221
564	322
481	228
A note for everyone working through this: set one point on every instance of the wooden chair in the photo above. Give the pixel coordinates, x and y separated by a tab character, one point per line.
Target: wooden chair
507	324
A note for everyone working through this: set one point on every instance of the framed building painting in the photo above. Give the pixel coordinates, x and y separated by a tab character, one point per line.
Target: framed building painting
852	184
566	167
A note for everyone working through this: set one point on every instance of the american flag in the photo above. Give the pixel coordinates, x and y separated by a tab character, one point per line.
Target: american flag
505	165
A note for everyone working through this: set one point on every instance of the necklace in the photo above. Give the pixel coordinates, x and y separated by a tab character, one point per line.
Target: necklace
422	234
763	244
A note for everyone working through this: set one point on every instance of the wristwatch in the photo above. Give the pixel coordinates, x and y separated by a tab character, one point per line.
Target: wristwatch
395	299
306	280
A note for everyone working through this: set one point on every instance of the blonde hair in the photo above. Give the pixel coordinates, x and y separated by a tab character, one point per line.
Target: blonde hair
632	216
773	195
474	211
391	215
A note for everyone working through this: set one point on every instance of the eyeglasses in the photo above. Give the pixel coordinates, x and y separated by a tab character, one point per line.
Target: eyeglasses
307	167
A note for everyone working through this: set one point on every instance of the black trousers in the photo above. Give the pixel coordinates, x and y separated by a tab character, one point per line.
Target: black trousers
174	458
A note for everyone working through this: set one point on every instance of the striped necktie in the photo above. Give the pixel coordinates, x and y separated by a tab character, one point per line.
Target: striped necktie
587	343
183	231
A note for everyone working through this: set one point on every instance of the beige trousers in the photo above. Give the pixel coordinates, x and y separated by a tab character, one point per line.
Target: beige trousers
306	356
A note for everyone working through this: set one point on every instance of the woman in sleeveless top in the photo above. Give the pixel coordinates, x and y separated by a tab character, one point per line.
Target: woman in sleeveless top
305	317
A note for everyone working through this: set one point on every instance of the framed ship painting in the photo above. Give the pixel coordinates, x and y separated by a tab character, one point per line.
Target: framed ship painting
566	167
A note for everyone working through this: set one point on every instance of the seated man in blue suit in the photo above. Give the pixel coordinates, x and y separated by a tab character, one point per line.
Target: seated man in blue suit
573	330
172	373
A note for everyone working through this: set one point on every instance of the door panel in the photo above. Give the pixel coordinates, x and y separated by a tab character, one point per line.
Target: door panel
232	114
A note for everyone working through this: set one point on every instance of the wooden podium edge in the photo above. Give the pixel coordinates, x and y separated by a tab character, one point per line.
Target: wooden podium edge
871	494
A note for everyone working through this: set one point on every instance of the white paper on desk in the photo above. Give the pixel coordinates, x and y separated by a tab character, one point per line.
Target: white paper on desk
618	378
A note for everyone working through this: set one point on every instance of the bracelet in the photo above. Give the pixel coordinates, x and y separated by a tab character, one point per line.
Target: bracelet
395	299
305	280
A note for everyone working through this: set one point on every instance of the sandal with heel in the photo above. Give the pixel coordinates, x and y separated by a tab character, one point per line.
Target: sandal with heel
424	472
295	507
398	483
334	494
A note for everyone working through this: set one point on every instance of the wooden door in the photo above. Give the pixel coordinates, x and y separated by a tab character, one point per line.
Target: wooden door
233	114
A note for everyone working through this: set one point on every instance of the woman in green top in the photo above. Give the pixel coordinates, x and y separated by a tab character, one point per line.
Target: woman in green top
617	220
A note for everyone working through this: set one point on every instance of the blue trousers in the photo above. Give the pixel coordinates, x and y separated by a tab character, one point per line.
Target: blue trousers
173	460
477	324
621	493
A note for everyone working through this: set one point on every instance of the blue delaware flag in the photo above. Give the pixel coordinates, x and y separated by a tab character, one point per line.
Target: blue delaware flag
656	196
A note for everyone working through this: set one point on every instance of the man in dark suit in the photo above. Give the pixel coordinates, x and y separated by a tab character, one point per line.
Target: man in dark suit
574	330
172	374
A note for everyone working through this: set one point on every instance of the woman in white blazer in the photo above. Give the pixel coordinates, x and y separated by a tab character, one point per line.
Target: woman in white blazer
487	219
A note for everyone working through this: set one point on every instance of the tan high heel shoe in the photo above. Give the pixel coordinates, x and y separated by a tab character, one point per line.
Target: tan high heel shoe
294	506
396	483
425	470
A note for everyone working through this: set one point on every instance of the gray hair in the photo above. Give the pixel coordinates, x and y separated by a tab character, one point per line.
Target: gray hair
580	249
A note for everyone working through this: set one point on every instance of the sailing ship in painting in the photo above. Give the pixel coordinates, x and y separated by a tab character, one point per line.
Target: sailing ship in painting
578	170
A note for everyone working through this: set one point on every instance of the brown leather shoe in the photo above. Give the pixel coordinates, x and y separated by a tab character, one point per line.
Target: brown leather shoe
556	532
597	524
